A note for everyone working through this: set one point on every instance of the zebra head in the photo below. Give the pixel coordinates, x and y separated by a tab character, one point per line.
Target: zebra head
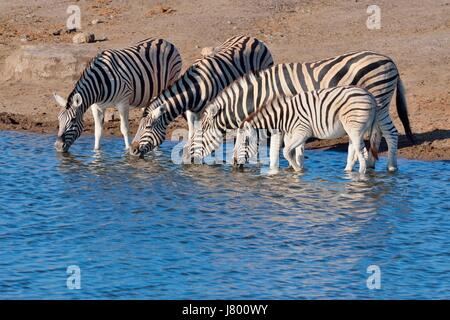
70	121
151	132
194	149
246	144
205	138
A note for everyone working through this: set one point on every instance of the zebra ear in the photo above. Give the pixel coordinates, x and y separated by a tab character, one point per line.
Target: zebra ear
59	100
77	100
159	111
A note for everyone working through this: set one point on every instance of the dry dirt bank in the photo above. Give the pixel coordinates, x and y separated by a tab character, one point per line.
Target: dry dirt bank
415	33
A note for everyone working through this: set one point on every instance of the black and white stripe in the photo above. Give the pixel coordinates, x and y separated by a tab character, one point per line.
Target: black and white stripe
202	82
374	72
323	114
129	77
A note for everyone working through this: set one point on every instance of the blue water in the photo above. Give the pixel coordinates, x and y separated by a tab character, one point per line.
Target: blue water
152	229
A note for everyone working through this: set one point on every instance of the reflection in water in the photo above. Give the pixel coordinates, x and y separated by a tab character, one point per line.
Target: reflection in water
147	228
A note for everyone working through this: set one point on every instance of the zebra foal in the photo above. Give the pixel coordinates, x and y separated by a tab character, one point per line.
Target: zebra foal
127	78
323	114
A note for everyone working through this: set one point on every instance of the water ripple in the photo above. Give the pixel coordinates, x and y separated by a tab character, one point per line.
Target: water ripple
152	229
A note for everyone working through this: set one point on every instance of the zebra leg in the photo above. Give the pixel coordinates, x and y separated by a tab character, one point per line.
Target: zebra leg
238	145
98	115
193	121
390	133
359	149
375	142
274	152
289	156
124	123
298	152
351	157
361	152
297	141
299	156
287	139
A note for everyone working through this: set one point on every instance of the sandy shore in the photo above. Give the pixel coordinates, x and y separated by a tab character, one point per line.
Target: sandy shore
416	34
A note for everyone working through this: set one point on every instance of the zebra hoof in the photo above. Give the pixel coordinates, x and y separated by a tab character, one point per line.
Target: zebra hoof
272	171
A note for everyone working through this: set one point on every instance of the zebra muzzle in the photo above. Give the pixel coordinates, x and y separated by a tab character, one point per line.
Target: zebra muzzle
59	145
134	149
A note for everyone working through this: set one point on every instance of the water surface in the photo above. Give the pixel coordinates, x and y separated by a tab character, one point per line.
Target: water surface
153	229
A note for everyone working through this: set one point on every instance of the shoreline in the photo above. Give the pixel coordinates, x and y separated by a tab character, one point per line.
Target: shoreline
429	146
38	58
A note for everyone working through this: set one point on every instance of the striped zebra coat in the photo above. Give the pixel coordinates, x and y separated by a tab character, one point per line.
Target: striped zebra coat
201	83
323	114
126	78
374	72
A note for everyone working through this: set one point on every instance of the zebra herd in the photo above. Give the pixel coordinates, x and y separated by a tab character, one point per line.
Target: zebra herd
237	86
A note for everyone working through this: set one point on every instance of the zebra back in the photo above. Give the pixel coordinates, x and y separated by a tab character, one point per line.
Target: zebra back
374	72
135	74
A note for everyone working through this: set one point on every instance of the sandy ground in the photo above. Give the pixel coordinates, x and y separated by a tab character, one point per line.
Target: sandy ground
415	33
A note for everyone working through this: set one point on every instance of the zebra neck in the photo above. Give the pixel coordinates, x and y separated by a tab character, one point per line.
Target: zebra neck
187	93
87	101
89	93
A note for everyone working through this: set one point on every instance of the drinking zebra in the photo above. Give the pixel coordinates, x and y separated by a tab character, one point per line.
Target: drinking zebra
323	114
126	78
374	72
206	78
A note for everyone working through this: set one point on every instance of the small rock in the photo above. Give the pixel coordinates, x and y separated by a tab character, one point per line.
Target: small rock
234	28
96	21
101	38
229	22
83	38
79	38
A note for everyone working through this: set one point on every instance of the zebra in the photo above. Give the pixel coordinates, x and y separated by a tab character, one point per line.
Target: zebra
129	77
323	114
218	68
375	72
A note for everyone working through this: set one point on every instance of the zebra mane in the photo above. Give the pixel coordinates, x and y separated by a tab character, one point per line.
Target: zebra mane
89	65
211	54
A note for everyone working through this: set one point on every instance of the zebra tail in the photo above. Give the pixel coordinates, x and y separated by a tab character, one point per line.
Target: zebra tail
402	110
